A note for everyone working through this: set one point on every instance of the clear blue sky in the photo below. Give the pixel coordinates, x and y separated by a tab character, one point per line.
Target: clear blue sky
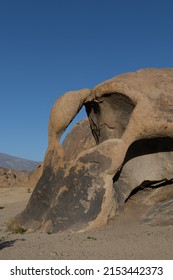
48	47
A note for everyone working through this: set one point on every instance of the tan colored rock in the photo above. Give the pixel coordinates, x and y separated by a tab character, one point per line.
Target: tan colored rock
63	112
78	140
13	178
34	176
10	178
126	114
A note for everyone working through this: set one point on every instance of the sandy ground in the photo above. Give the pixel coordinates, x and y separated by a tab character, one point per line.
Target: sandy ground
123	238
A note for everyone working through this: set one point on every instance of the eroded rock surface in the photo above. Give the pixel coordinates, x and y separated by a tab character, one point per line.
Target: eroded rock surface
86	183
78	140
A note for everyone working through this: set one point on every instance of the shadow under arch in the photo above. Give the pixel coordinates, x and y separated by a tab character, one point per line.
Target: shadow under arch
146	146
109	115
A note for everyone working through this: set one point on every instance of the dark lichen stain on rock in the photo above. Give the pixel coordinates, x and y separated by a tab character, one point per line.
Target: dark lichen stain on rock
97	158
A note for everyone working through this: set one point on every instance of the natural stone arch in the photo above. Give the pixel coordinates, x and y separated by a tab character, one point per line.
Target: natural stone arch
79	193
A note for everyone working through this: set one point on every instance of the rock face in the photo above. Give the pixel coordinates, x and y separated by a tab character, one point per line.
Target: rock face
78	140
85	183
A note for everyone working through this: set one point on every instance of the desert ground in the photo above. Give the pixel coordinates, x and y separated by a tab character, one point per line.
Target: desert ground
125	237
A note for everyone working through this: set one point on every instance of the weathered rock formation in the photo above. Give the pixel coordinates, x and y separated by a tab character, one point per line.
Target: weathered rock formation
15	179
85	184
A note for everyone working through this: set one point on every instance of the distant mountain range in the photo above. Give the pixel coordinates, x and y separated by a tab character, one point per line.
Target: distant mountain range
16	163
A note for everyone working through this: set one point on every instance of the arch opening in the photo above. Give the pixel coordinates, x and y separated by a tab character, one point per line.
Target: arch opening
109	115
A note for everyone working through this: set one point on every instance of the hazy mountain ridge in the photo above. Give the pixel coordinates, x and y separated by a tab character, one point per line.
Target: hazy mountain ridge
12	162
